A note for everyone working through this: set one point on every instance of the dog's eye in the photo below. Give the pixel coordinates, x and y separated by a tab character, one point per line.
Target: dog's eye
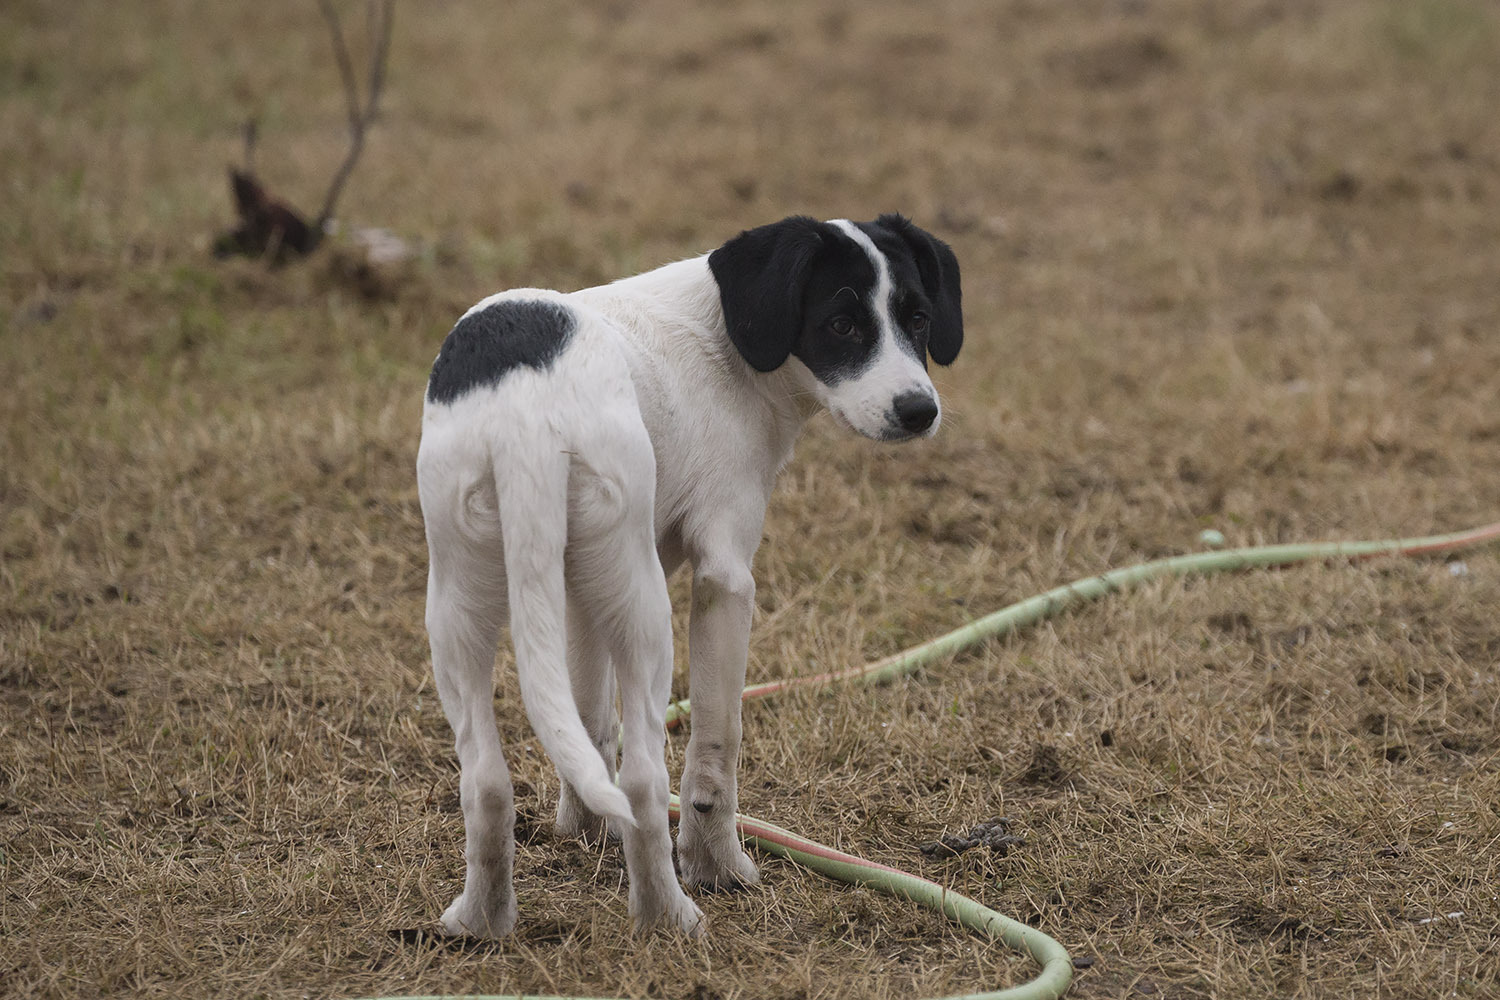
842	326
919	323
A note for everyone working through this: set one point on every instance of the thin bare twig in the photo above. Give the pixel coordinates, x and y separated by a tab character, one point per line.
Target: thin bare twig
380	14
342	58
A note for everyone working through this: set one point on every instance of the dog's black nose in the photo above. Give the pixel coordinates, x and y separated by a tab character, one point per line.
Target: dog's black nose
915	411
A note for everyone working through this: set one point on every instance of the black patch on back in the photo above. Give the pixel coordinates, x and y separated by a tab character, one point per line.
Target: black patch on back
487	345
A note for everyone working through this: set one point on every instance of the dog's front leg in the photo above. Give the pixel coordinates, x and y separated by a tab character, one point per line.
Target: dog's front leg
708	851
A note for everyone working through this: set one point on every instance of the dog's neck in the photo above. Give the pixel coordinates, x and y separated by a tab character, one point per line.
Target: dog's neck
684	302
788	392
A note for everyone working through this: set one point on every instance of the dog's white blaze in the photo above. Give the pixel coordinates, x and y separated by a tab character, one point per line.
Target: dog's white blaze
880	298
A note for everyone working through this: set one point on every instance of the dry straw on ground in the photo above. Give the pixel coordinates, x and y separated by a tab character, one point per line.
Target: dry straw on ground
1226	265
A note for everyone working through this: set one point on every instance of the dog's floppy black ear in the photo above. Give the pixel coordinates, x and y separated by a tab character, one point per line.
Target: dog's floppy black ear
938	268
762	274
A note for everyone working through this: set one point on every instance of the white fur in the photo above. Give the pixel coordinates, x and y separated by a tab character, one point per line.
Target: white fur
560	500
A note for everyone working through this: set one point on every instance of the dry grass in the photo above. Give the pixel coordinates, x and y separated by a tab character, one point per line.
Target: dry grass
1226	265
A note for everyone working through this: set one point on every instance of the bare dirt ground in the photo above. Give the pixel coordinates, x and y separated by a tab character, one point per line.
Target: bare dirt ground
1225	265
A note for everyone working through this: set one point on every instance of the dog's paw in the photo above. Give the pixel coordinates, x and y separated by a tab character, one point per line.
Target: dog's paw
466	919
712	860
672	910
709	856
721	875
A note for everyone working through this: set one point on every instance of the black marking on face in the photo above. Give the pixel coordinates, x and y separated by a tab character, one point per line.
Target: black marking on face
804	288
938	274
841	294
488	344
911	310
840	335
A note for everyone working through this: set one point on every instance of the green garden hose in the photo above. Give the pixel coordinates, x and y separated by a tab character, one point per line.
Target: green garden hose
1057	967
1089	588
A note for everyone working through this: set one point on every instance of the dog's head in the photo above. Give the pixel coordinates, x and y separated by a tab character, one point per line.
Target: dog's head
860	304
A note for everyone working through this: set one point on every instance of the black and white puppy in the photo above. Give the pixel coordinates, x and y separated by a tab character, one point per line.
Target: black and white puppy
577	448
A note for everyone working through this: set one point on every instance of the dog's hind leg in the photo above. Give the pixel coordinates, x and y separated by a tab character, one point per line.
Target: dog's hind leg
593	678
620	586
466	607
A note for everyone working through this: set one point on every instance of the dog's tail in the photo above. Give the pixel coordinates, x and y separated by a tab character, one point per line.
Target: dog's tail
531	486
